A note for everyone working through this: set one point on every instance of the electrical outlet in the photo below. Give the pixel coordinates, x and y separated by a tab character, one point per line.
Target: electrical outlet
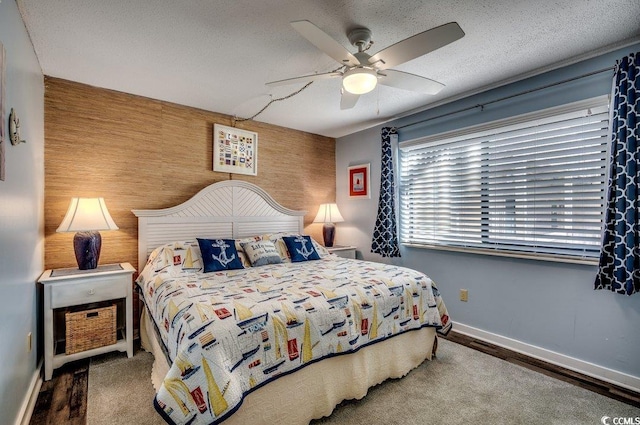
464	295
29	342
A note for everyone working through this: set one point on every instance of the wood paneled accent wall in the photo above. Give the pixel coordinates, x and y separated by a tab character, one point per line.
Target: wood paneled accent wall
140	153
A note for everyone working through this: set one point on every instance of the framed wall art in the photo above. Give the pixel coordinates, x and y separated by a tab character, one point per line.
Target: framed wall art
235	150
359	186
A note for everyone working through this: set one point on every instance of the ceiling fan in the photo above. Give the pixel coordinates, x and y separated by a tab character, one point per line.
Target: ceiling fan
361	72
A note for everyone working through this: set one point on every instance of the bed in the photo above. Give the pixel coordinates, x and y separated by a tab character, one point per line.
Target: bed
251	321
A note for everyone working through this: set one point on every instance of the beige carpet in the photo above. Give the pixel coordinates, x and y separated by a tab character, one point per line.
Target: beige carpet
461	386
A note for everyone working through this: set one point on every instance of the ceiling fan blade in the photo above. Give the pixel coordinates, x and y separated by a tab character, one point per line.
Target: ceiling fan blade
418	45
412	82
348	100
304	79
325	42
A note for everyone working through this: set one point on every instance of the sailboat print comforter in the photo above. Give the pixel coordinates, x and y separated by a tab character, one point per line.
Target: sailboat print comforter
229	332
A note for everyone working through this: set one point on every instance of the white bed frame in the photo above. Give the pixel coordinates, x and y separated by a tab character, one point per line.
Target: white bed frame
236	209
228	209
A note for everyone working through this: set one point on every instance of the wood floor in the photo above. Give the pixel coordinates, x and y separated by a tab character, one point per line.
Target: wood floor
63	400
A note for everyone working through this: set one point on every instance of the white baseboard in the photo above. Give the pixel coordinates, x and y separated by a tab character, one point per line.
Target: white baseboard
29	402
590	369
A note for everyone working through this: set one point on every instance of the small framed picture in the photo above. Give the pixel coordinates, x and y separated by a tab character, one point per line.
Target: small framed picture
359	186
235	150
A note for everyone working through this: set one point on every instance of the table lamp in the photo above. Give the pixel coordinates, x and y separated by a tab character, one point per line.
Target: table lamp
328	214
87	216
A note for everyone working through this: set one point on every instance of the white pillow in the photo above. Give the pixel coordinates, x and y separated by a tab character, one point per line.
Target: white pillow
261	253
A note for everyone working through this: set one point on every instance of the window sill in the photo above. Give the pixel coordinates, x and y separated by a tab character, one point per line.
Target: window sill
510	254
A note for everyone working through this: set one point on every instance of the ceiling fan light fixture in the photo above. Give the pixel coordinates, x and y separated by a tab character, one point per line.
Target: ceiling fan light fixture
360	80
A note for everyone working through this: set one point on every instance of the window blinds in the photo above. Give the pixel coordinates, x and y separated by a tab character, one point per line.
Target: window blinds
534	184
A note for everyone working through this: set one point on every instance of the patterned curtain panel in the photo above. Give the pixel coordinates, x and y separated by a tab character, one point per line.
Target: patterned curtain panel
619	269
385	235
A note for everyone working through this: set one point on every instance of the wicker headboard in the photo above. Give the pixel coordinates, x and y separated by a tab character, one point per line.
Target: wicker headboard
228	209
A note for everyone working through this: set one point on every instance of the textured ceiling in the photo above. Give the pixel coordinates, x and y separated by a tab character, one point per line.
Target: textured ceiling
218	54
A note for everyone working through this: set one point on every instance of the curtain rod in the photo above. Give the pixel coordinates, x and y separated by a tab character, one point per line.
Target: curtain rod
482	105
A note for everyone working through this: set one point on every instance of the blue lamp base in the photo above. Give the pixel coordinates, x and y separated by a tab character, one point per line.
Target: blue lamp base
328	234
87	248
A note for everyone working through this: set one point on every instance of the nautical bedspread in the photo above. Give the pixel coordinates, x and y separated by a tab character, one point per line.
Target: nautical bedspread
229	332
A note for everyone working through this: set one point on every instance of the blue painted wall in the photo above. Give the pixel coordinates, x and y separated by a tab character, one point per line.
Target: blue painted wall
545	304
21	216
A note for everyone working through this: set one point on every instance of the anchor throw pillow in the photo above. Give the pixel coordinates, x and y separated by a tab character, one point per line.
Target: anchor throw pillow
261	253
219	254
300	248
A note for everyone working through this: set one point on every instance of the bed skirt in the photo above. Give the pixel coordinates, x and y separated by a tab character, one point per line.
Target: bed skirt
315	390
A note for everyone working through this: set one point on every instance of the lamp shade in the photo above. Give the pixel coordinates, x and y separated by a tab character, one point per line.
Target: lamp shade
328	213
87	214
360	80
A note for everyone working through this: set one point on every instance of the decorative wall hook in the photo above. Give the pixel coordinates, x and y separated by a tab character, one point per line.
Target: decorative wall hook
14	129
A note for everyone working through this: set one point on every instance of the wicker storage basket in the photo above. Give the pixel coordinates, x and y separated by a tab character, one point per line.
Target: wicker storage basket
89	329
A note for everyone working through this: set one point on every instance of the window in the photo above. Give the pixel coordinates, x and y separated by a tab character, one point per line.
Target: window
531	185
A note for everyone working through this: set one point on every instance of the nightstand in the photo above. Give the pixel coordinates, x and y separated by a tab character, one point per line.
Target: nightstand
343	251
64	288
